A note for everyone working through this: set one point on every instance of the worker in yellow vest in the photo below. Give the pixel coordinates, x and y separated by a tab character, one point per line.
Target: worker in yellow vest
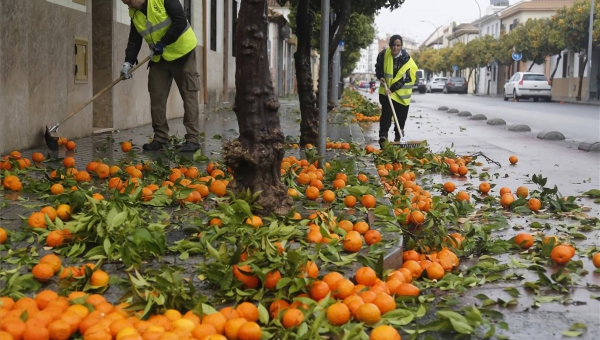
395	67
162	23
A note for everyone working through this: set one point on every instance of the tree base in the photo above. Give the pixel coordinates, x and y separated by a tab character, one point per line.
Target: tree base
255	168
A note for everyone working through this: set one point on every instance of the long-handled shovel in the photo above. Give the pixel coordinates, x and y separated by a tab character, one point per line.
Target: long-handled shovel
408	144
51	135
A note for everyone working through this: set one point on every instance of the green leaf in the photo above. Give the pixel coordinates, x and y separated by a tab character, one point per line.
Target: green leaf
118	219
512	291
243	205
594	192
263	314
572	334
461	327
421	311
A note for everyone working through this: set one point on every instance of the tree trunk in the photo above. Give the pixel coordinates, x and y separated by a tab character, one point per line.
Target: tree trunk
255	156
581	71
309	125
531	66
556	66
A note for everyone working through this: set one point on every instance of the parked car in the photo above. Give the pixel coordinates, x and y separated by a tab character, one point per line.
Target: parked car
436	84
420	84
364	84
526	85
456	85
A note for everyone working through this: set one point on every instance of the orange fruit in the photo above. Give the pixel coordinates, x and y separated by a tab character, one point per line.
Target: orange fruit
332	278
201	331
417	217
368	201
449	187
218	188
338	314
12	326
384	332
64	212
350	201
310	269
596	260
99	278
368	313
522	192
463	170
38	157
343	289
126	146
319	290
292	317
407	289
312	193
250	331
366	276
524	240
256	221
276	307
50	211
435	271
249	280
534	204
272	278
463	196
103	171
484	187
57	189
70	145
55	238
42	272
217	320
410	255
513	159
372	236
328	196
414	268
561	254
361	227
248	311
232	326
68	162
3	235
505	190
506	200
44	297
385	303
352	242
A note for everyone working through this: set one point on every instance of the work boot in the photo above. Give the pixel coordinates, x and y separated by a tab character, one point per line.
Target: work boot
154	145
381	141
189	147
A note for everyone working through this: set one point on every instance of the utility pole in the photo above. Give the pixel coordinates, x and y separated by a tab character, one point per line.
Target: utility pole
323	80
589	52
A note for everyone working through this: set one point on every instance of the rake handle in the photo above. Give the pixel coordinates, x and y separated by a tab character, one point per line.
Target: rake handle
395	118
111	85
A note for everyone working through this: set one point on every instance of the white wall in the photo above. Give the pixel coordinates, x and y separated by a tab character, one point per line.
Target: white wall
70	4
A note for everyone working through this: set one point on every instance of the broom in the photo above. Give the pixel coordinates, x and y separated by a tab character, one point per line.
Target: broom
51	134
408	144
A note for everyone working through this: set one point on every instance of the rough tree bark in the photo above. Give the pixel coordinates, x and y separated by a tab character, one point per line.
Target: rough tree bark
255	156
581	71
309	125
556	66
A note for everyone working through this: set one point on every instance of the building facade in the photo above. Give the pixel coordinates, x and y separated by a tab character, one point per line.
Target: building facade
62	52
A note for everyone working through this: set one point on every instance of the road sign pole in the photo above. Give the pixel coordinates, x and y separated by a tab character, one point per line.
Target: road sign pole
589	52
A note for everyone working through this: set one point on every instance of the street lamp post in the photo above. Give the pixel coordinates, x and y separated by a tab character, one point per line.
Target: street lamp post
589	52
437	29
479	34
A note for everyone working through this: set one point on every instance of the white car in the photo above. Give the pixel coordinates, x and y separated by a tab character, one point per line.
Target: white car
526	85
436	84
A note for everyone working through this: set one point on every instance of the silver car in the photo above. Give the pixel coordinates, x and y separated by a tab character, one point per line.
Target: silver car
456	85
436	84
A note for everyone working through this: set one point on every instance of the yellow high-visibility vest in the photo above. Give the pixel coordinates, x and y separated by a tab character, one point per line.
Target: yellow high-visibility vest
403	95
154	26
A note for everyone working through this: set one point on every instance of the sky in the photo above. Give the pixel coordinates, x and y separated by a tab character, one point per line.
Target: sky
406	20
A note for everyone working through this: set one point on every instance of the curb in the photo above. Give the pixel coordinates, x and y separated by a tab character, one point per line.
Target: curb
496	121
478	117
589	146
551	135
464	114
519	128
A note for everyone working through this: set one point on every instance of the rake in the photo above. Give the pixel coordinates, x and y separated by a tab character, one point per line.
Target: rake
51	134
409	144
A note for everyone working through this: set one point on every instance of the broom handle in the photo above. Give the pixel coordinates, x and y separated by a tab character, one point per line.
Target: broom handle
393	110
115	82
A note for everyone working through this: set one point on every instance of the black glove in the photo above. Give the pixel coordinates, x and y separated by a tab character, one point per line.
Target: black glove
159	48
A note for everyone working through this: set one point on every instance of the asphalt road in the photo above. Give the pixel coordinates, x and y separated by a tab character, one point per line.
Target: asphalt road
578	123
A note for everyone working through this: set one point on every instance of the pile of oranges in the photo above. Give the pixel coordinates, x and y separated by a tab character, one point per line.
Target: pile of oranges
362	118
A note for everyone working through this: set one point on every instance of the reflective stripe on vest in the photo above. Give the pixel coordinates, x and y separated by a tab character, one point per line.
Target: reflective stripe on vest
403	94
153	26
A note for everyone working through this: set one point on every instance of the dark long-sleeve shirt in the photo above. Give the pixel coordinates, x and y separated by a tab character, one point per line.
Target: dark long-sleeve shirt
398	63
178	26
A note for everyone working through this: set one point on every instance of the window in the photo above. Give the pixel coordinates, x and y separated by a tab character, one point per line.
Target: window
213	25
535	77
81	60
234	17
565	65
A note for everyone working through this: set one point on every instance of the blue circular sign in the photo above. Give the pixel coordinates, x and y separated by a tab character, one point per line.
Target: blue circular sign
517	56
455	68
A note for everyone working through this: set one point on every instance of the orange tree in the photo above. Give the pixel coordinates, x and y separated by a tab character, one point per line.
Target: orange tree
255	156
574	22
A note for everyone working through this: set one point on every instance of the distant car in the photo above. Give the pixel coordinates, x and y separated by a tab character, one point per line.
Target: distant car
364	84
526	85
420	82
456	85
436	84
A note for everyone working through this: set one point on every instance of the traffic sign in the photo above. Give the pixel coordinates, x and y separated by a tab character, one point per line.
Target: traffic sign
455	68
341	46
517	56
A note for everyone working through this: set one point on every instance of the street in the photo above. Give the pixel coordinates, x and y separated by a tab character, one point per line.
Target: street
578	123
